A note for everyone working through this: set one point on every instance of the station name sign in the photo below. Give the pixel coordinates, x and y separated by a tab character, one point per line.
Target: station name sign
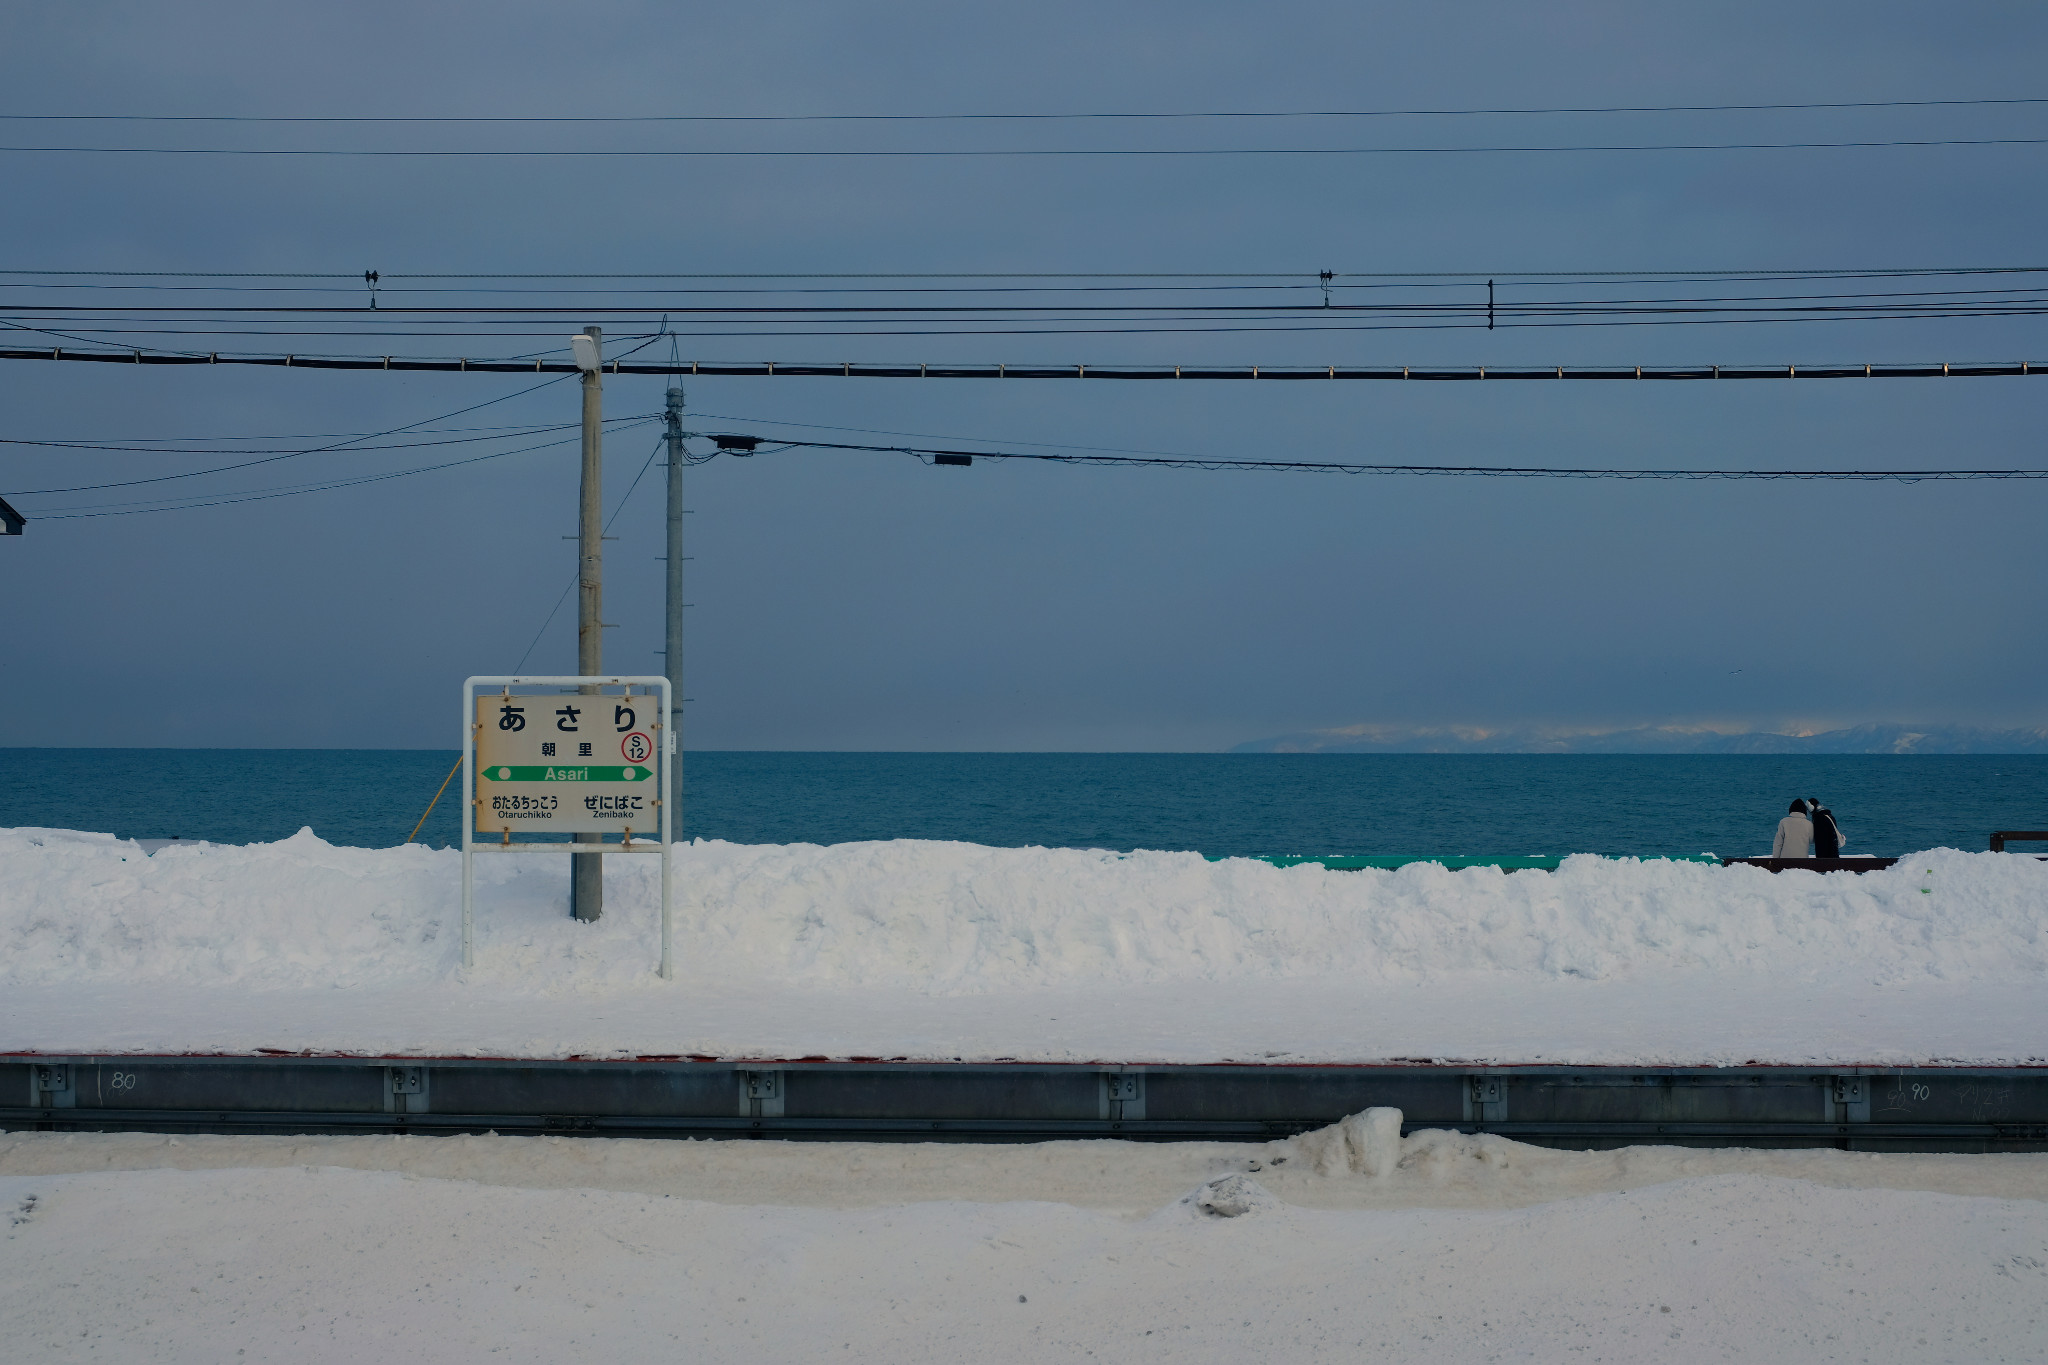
566	762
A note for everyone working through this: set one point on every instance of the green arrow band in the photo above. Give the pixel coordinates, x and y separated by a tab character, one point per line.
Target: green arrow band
551	773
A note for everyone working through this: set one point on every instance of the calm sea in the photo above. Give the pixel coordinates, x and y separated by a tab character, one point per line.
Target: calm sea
1211	803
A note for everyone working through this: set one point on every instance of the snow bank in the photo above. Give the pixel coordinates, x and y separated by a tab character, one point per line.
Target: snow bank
951	919
319	1264
1433	1168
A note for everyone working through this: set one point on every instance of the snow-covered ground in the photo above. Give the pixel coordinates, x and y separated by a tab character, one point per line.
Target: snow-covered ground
1328	1246
1348	1243
945	950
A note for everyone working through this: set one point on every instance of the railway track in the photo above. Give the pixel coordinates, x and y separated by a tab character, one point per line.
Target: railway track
1929	1108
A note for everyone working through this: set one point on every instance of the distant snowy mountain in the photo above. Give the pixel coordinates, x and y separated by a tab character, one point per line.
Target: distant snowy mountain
1466	739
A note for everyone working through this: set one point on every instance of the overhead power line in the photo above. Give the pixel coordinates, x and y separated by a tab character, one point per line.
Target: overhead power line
768	445
198	501
1019	117
1308	277
1067	310
125	338
340	446
749	446
158	448
780	153
125	311
120	341
251	450
570	586
1002	371
123	442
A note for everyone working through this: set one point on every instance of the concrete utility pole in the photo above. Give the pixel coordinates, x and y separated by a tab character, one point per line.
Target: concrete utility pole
586	878
672	659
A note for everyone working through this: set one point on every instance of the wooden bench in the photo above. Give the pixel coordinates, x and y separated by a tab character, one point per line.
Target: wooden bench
1814	864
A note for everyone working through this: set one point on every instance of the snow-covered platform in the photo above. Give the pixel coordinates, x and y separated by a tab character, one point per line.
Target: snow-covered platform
918	952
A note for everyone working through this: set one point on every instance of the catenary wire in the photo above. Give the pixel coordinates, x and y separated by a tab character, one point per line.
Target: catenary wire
1473	321
920	153
1861	272
1042	370
1299	284
280	312
1025	117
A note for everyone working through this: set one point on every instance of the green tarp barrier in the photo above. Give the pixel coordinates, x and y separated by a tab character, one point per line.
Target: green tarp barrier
1347	863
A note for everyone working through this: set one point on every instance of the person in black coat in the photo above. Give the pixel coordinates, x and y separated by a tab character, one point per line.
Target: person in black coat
1827	835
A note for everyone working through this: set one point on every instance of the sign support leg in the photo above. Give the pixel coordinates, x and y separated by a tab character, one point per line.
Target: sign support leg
668	959
468	827
666	749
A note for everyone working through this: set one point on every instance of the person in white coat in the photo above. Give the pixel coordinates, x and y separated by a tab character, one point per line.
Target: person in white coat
1795	834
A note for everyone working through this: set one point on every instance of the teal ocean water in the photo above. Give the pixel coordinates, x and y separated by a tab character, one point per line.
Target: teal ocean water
1211	803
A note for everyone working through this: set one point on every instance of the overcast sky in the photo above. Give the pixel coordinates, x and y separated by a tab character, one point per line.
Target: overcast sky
849	601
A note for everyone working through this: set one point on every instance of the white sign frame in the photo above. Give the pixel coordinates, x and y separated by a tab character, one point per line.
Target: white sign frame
664	750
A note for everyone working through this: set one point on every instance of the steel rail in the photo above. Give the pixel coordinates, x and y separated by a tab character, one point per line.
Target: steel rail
1020	1129
1927	1107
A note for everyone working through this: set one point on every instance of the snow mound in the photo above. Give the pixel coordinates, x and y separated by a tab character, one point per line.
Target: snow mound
962	919
1232	1196
1371	1144
1362	1144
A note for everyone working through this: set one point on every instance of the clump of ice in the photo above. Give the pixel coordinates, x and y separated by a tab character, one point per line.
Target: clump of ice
1362	1144
1231	1196
962	919
1370	1144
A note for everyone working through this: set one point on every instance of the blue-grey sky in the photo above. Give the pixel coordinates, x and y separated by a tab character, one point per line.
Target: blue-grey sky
871	602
